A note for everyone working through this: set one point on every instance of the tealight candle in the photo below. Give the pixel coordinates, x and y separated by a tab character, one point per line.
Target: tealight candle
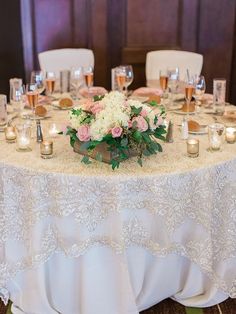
10	134
53	130
46	149
230	135
193	147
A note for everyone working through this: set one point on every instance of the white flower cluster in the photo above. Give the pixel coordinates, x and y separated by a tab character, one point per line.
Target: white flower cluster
114	114
75	121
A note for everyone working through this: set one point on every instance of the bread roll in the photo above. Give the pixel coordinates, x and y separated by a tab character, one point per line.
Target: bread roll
153	97
193	126
191	107
65	102
40	111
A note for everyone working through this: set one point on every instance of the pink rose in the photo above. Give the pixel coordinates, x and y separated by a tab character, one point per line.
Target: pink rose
116	131
130	124
142	124
144	113
87	104
83	133
96	107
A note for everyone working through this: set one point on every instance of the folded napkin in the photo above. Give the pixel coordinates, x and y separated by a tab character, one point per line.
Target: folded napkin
146	91
94	90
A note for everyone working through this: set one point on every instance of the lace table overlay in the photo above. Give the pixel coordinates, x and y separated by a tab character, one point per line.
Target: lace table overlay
173	205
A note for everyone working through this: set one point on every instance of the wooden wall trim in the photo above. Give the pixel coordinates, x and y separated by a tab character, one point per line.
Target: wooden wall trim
28	33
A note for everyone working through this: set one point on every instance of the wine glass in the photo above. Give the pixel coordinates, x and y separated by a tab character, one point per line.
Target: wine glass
129	77
200	88
88	77
32	94
50	81
18	98
120	76
189	91
77	79
37	77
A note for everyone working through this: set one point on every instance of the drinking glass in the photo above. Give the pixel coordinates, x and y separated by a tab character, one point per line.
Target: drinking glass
3	111
23	137
219	91
189	91
216	136
18	98
173	80
50	81
120	77
14	82
32	94
37	78
88	77
77	79
65	81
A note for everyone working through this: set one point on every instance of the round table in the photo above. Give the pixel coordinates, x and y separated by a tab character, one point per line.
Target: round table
84	239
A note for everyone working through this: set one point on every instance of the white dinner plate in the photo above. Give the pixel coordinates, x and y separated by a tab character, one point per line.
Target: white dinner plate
29	115
183	112
139	98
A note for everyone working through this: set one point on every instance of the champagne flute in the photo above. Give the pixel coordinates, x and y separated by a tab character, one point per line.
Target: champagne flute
163	77
77	79
189	91
200	88
50	82
120	76
38	78
88	77
32	94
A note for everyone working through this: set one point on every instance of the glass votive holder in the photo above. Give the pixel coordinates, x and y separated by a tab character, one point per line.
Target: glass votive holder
230	135
46	149
10	134
53	130
215	136
219	91
192	147
23	137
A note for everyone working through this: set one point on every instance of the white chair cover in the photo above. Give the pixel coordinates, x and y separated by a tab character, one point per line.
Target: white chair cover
65	59
163	59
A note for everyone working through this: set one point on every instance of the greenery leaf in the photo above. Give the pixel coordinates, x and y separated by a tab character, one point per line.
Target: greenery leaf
137	135
114	164
153	103
98	157
98	98
136	111
86	160
124	141
140	162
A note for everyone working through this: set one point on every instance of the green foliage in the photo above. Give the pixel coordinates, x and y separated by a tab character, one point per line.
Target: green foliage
98	98
86	160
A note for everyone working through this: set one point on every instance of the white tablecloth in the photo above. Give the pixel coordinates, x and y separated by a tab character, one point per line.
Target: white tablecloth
77	239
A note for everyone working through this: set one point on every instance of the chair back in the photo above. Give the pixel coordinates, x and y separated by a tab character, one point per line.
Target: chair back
170	59
65	59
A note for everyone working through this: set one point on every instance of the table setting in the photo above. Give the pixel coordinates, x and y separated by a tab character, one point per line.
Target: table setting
152	202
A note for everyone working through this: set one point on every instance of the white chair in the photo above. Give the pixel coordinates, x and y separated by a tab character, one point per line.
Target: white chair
65	59
169	59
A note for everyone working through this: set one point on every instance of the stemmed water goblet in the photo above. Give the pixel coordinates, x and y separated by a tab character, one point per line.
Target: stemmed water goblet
88	77
37	77
129	77
200	88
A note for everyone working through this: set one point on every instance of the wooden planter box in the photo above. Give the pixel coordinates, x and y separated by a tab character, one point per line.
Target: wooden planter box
102	149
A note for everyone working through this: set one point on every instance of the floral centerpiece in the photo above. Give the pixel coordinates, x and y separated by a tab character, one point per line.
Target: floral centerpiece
127	127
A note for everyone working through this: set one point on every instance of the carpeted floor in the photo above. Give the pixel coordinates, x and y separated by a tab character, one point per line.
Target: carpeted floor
169	306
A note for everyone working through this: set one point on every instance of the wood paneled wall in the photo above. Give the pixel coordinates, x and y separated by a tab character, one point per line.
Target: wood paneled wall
123	31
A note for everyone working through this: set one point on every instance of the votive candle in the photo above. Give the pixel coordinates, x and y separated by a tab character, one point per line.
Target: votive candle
193	147
230	135
46	149
10	134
